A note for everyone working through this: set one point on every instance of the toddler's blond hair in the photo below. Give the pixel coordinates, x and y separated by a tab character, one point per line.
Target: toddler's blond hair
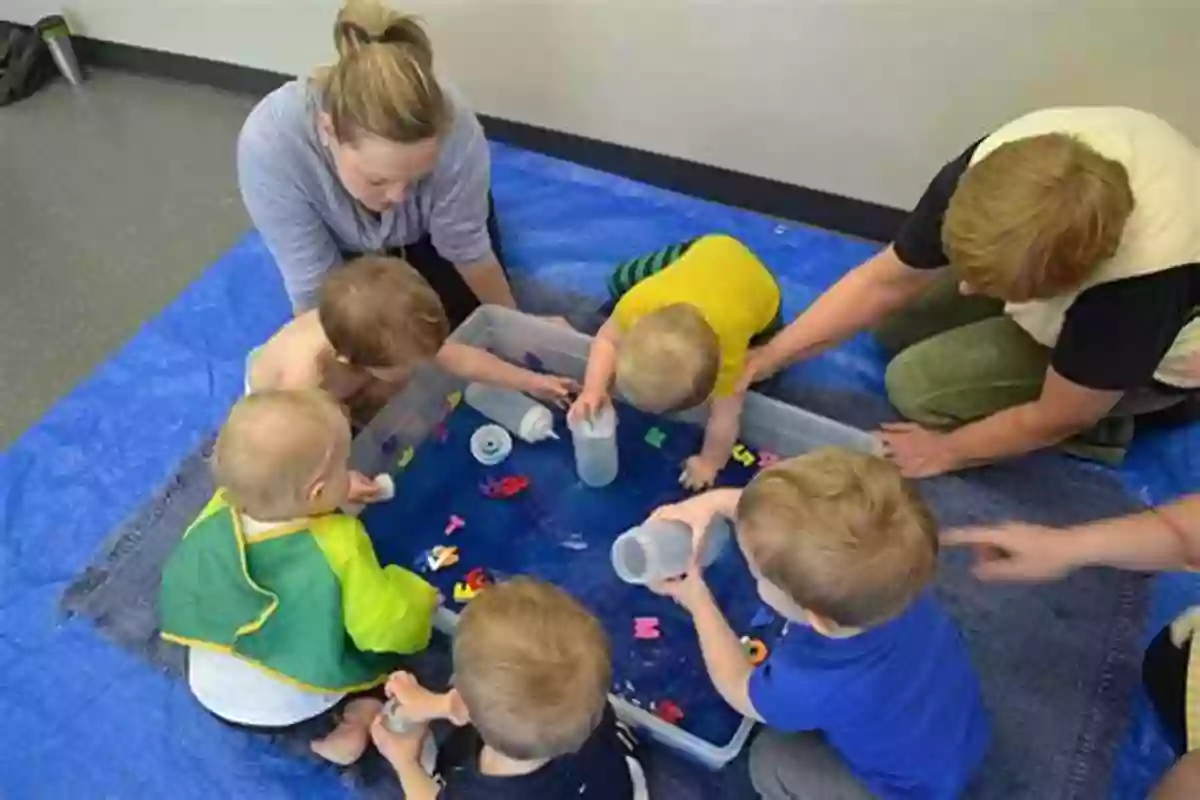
668	360
1035	217
841	533
274	446
533	667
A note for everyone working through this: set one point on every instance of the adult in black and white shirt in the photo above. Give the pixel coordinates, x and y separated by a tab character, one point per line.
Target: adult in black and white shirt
1072	237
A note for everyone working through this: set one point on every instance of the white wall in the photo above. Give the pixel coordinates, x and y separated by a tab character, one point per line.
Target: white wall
860	97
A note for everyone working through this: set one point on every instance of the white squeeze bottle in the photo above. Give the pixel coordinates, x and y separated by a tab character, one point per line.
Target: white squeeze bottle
595	443
528	419
659	549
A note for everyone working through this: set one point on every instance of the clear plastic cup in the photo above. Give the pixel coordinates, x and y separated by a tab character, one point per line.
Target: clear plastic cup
659	549
595	442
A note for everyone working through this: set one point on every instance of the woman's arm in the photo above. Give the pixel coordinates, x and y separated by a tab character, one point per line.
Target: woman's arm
488	281
458	222
1164	538
293	230
861	299
1063	410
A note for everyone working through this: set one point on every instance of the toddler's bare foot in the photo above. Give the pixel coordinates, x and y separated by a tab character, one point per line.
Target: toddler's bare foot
349	739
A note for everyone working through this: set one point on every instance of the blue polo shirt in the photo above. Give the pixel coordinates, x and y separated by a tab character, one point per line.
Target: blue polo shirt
899	702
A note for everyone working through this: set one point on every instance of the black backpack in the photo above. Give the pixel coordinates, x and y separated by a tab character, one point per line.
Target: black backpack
25	62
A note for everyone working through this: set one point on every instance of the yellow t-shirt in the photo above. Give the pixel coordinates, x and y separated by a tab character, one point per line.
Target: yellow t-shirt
734	292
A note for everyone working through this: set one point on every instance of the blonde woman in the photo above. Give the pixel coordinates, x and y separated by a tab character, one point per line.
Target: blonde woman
376	154
1043	292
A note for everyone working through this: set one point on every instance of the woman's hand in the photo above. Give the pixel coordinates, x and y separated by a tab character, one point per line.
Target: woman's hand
551	388
917	451
1018	551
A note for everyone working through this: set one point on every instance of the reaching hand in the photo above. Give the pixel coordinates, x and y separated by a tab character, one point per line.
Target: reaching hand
552	389
1017	552
917	451
416	702
689	590
757	368
589	403
398	748
698	473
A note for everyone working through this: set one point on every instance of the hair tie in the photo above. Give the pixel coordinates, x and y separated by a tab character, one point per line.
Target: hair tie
355	34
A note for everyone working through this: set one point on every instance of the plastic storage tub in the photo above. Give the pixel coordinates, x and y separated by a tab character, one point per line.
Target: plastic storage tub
415	414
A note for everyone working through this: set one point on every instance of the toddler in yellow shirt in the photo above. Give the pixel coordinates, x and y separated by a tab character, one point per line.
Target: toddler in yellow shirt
684	319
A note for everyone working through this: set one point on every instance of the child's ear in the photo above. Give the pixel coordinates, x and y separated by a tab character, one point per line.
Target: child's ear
459	714
315	490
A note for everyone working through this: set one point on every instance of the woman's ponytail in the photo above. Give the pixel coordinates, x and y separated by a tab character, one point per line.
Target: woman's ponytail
383	83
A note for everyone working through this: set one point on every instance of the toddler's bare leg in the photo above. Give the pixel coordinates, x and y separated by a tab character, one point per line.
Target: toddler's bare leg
349	739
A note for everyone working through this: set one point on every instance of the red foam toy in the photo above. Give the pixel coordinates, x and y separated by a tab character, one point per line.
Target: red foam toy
668	710
505	487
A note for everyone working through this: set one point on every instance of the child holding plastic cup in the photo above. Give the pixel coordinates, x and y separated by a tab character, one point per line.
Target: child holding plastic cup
683	322
869	691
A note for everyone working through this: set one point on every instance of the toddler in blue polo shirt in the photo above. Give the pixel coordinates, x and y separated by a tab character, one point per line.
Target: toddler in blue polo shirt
869	692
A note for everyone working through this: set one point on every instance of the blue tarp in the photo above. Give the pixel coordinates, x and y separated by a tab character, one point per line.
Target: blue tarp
85	719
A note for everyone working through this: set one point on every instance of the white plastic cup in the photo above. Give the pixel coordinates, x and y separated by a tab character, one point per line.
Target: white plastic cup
595	442
528	419
659	549
490	444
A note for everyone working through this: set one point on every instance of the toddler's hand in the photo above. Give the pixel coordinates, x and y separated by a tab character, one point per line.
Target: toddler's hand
416	702
589	403
696	515
362	489
698	473
689	591
398	748
552	389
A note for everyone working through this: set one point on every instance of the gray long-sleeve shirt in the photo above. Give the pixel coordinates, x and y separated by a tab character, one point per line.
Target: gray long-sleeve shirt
307	218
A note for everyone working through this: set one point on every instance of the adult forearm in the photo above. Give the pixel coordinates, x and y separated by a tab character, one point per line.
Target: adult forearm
1012	432
1163	538
476	364
860	300
489	283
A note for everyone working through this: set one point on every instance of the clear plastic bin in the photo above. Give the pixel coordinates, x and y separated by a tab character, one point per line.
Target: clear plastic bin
414	414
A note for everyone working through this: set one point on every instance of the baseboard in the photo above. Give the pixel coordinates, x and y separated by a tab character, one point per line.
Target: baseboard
810	206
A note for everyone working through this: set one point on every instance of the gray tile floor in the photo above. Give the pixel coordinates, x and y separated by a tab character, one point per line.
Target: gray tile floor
112	199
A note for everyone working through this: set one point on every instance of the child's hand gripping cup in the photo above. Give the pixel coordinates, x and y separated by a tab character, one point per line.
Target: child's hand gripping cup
595	441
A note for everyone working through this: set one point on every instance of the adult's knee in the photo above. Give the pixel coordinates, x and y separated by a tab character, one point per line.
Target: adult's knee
914	387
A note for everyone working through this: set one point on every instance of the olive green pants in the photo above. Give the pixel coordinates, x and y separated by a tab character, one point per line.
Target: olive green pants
958	359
